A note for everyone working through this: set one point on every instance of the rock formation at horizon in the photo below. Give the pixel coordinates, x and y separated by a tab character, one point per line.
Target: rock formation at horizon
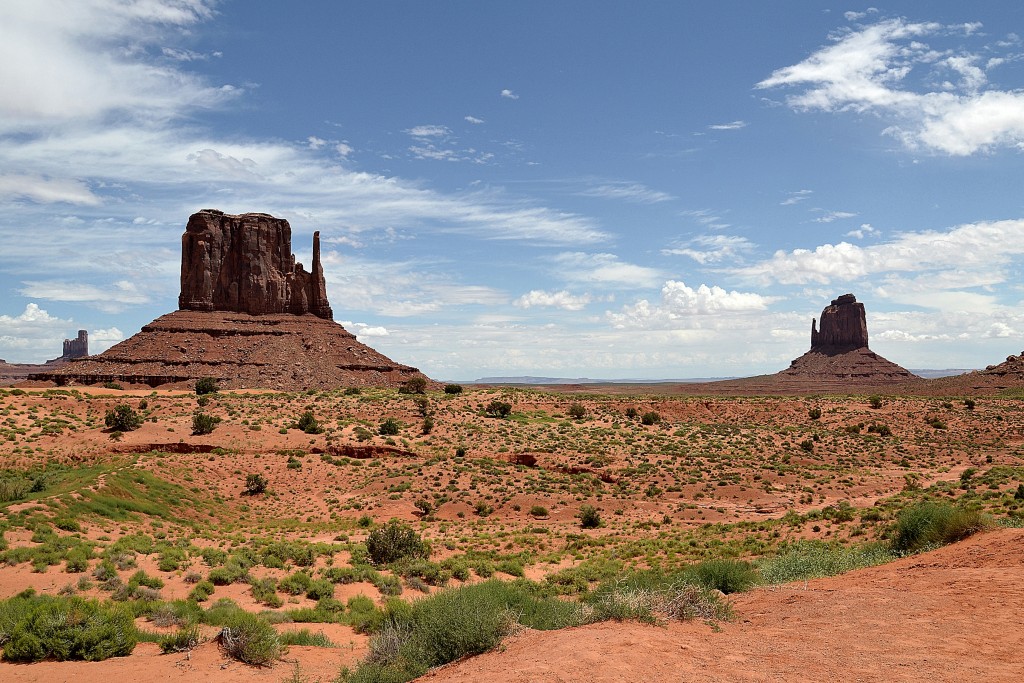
250	316
244	264
839	350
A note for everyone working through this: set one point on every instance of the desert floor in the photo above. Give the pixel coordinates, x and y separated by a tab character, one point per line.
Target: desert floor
675	479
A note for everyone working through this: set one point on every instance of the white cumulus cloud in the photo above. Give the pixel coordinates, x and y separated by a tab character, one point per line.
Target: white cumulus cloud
680	303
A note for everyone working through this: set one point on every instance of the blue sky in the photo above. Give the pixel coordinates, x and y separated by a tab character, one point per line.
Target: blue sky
598	189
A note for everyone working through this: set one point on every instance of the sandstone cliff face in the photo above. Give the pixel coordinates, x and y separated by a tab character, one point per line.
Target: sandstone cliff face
244	264
843	326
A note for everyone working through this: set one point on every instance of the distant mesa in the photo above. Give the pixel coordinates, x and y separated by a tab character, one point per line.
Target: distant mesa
839	350
250	316
12	373
73	348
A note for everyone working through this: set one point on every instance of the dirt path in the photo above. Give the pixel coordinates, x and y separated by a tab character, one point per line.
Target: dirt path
951	615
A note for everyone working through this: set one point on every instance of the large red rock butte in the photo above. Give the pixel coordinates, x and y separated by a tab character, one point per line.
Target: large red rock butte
244	264
250	316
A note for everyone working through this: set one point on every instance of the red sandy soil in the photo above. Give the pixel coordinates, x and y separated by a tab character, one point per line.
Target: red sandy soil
205	663
950	615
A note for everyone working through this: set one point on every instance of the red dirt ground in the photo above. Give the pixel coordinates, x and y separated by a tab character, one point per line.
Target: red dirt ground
951	615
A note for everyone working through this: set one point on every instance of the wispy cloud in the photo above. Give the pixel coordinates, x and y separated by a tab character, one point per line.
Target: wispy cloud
707	249
180	55
428	131
44	190
733	125
632	192
111	299
708	218
509	95
796	197
400	289
605	269
871	70
78	62
832	216
474	120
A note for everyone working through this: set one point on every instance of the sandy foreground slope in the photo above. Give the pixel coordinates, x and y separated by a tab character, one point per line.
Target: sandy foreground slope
955	614
951	615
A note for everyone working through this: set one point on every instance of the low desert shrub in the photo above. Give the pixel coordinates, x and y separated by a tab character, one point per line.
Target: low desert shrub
726	575
498	409
414	385
814	559
264	591
590	518
651	596
308	423
182	640
34	627
456	623
250	638
201	591
650	418
304	637
297	583
255	484
394	541
453	388
206	385
929	525
202	423
122	418
389	427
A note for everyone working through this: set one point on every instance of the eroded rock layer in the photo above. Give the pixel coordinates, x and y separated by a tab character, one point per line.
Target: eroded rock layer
273	351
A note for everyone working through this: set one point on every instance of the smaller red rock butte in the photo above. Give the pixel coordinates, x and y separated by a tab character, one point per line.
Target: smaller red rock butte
244	264
78	347
839	353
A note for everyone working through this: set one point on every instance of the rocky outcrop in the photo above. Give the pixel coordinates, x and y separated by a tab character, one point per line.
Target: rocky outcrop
251	317
839	354
73	348
843	326
244	264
